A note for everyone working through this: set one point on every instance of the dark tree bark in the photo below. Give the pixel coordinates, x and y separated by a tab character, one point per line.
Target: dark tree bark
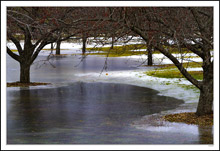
24	65
205	105
150	58
58	47
24	73
25	62
112	44
51	46
84	39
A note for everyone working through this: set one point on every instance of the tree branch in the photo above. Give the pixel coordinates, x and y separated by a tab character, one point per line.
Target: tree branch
13	55
34	56
173	59
195	82
139	32
195	50
196	17
45	36
17	43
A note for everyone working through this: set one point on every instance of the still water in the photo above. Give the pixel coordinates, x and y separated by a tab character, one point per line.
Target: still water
63	68
86	113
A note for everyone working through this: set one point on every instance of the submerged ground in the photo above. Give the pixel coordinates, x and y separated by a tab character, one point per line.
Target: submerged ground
121	105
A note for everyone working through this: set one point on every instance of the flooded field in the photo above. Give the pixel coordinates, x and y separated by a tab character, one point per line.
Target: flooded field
74	109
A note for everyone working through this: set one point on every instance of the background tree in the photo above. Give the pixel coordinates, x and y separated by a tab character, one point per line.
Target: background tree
119	17
39	27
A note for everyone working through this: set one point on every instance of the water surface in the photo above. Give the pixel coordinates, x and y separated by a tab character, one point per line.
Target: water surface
82	113
63	68
88	113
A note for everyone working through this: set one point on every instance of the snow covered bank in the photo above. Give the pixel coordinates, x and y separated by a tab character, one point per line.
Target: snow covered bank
166	87
161	59
76	48
194	69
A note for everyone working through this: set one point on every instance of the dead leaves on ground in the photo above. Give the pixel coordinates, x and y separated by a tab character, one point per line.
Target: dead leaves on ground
190	118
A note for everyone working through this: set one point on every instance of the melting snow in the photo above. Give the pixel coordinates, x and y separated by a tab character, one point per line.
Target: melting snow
140	79
136	77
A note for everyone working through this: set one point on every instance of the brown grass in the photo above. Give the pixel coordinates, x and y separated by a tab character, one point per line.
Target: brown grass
190	118
18	84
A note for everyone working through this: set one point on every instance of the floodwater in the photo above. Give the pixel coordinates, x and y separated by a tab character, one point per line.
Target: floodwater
64	68
86	112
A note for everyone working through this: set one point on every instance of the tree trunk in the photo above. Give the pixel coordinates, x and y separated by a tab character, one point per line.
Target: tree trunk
112	45
84	44
150	58
51	46
24	73
58	47
205	105
205	100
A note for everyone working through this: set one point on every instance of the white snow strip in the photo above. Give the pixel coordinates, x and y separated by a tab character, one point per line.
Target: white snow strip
194	69
161	59
166	87
74	48
170	127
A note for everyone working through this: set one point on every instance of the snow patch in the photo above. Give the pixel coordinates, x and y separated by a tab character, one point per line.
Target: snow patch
194	69
166	87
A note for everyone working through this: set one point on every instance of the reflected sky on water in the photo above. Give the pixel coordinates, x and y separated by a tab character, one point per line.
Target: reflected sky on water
88	113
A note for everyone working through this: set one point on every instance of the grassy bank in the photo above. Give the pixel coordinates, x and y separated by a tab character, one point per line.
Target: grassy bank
171	71
118	51
128	50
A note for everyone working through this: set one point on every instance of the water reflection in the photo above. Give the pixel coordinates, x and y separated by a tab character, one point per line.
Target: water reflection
88	113
205	134
63	68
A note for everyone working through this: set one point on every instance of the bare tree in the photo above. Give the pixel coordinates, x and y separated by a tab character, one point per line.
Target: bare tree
40	26
187	27
191	28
